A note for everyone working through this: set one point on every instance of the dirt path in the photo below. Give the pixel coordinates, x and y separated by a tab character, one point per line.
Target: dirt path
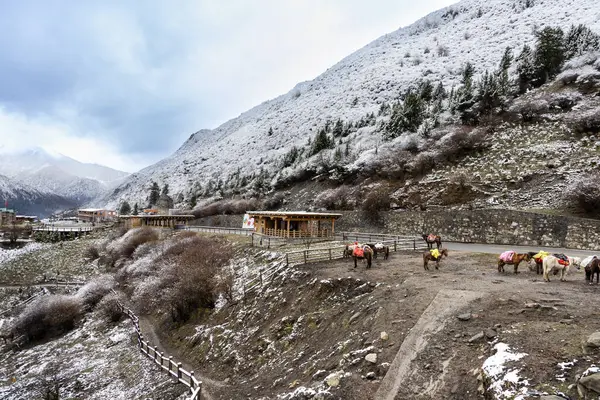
149	332
499	248
432	320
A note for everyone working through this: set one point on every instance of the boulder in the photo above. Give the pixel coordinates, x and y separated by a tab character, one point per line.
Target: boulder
371	376
464	317
587	384
476	338
593	341
371	357
384	336
490	334
354	317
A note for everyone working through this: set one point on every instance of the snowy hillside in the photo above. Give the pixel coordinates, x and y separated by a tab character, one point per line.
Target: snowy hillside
435	48
29	201
59	175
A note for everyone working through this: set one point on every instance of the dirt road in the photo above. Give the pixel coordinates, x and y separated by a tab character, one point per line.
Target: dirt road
499	248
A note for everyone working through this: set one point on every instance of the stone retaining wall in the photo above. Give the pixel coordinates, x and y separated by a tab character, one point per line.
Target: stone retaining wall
477	226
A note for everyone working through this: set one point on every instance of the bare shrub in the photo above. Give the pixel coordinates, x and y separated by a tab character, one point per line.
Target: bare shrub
191	278
91	294
48	316
227	207
110	309
584	195
137	238
585	122
273	202
377	200
185	234
92	252
334	199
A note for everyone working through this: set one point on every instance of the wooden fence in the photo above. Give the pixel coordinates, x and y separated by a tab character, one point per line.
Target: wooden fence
165	362
362	237
331	253
221	230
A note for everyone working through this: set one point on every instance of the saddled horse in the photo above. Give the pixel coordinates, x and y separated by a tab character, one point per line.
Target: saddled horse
380	248
555	264
427	256
363	253
431	239
515	260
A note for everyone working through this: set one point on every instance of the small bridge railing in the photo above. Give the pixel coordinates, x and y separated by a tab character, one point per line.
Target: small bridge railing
221	230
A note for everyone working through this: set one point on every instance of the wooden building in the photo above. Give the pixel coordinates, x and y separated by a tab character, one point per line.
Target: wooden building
7	216
159	221
95	215
294	224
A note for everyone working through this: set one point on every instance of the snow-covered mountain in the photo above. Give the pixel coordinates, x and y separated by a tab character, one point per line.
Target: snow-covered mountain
435	48
27	200
59	175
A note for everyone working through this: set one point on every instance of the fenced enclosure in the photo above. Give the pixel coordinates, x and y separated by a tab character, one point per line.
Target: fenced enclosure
319	254
165	362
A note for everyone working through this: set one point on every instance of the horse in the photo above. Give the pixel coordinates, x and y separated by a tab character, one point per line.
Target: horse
427	256
365	254
431	239
592	267
515	260
380	248
551	263
348	251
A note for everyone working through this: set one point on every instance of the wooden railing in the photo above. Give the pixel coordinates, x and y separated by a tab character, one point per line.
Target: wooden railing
372	237
63	229
165	362
323	233
221	230
331	253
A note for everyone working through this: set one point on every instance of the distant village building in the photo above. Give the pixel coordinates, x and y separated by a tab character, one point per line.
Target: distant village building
96	215
21	219
7	216
294	224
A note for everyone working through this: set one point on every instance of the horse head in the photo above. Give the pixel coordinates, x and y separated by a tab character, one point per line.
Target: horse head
444	252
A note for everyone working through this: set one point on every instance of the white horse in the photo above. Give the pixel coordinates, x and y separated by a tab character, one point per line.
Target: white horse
575	262
551	263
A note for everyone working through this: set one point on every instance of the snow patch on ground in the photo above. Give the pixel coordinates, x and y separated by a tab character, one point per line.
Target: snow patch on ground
505	383
9	254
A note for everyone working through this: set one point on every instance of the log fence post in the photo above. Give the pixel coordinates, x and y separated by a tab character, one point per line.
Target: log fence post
304	252
179	371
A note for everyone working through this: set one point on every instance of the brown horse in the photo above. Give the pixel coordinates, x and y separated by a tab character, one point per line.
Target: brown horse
593	268
385	250
431	239
367	254
516	260
427	256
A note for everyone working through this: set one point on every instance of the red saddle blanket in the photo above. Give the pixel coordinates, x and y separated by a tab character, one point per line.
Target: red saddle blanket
358	252
563	262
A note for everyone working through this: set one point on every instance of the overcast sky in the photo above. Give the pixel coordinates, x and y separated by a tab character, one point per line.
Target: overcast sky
124	83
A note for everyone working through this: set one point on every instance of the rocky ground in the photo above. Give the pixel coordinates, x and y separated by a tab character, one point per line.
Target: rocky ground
329	331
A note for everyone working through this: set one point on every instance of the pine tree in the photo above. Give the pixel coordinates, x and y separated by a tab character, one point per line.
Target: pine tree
154	194
193	201
165	189
525	68
136	210
270	133
426	91
580	40
487	92
338	129
503	78
337	156
125	208
321	142
549	54
440	93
